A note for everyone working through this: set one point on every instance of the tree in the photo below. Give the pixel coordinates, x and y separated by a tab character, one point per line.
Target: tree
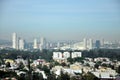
73	78
22	77
51	65
63	76
87	64
56	63
104	65
63	64
76	78
37	76
51	77
21	65
70	60
89	76
4	74
96	66
46	69
8	64
118	69
39	66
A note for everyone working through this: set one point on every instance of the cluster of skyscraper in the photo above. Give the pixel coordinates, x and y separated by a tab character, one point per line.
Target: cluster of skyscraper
41	45
85	44
19	43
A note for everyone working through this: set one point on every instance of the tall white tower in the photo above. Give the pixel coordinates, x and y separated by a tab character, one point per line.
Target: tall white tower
35	44
21	44
90	44
58	45
85	43
42	43
14	41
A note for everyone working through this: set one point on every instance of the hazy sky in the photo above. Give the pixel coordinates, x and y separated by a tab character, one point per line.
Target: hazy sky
60	19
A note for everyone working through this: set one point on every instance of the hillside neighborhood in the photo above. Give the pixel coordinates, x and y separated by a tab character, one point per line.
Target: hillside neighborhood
63	66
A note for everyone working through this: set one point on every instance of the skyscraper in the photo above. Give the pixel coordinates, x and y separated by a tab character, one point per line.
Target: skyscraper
21	44
85	43
42	43
35	44
14	41
97	44
90	44
58	45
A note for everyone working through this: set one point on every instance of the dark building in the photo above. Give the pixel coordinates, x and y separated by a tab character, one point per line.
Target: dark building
97	44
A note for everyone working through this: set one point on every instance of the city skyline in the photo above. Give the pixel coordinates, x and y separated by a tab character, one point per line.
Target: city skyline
60	20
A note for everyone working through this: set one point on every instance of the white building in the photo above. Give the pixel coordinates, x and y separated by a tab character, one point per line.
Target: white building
35	44
58	45
66	55
101	59
76	54
21	44
85	43
105	74
62	57
57	55
90	44
42	43
14	41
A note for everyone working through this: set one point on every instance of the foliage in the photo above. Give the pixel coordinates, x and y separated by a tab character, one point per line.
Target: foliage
21	66
77	59
89	76
46	69
51	77
47	54
96	65
7	74
63	76
8	64
37	76
118	69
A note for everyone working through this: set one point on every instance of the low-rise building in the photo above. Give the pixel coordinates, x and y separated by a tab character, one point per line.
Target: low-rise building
105	74
76	54
62	57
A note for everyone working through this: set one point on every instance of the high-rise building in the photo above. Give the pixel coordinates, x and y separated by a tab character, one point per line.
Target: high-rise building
97	44
90	44
35	46
58	45
102	43
14	41
85	43
42	43
21	44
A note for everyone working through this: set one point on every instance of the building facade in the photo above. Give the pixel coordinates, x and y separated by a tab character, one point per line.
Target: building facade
35	46
62	57
21	44
14	41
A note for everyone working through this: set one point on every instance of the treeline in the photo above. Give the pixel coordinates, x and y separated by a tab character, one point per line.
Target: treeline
36	54
113	54
47	54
